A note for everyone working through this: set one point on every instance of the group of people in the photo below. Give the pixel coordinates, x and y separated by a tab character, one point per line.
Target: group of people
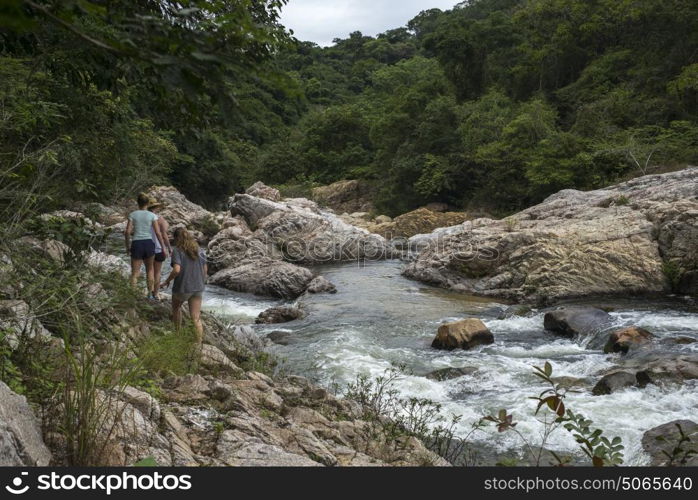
147	243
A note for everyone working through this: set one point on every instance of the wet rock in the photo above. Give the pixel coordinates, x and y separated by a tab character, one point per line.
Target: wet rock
574	244
661	444
280	314
464	334
664	366
280	337
265	277
683	340
620	380
321	285
623	340
688	283
21	443
451	373
577	322
261	190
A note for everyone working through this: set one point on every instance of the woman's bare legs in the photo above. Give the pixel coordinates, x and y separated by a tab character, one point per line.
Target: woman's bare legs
149	272
177	313
195	313
157	271
135	271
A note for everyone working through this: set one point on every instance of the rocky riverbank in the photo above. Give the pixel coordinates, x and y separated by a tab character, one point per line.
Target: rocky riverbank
230	408
639	237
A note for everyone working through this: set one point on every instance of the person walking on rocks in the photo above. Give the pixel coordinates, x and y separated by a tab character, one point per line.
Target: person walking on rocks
189	271
161	252
139	241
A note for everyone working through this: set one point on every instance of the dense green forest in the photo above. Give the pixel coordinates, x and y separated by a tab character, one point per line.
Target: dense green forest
493	105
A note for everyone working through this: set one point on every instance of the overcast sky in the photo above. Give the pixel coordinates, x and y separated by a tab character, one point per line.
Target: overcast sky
321	21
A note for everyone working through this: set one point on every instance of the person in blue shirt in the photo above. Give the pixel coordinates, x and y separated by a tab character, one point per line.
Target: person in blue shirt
139	242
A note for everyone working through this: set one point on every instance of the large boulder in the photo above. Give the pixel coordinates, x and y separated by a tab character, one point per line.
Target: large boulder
345	196
266	277
574	244
626	338
463	334
21	443
661	443
574	322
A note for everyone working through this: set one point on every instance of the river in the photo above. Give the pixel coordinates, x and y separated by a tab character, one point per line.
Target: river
378	319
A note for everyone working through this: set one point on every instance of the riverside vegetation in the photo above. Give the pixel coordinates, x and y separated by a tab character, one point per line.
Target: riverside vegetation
101	101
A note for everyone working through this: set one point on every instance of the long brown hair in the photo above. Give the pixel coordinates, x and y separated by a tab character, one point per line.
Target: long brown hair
186	242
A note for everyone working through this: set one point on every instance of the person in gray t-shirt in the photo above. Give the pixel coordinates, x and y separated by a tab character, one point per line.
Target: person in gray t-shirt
189	272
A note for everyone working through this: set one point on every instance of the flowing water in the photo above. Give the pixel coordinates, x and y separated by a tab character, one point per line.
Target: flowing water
378	319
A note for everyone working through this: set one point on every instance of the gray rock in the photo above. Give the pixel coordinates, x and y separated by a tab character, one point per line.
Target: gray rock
21	443
451	373
252	452
280	314
614	382
261	190
214	360
281	337
321	285
574	244
577	322
664	439
265	277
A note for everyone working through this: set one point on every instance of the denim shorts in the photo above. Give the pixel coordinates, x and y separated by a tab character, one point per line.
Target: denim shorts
142	249
160	257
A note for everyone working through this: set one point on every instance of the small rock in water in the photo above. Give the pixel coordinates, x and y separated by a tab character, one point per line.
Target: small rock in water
321	285
463	334
620	380
280	337
451	373
623	340
280	314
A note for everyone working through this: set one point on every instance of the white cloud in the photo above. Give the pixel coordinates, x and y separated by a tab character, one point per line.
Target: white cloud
321	21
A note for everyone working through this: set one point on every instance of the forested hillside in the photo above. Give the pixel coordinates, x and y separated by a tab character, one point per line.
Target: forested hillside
492	105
